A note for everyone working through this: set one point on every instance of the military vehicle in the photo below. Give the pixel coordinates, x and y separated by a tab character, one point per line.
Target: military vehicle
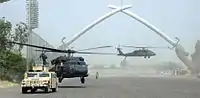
39	78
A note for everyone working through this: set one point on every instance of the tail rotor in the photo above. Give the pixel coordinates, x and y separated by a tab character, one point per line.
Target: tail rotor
118	47
119	52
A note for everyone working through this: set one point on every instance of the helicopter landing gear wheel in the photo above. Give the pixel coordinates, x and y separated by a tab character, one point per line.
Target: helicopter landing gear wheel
148	56
145	57
97	75
82	80
60	80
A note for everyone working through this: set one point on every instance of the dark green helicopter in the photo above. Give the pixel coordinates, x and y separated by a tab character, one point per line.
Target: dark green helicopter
143	52
67	66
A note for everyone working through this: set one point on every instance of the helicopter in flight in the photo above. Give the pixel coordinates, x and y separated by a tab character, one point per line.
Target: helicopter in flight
143	52
66	66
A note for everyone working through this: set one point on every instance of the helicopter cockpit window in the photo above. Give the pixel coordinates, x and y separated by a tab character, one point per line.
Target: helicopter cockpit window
81	59
81	63
135	51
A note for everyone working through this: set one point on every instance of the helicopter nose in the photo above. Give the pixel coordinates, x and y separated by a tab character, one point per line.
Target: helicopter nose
154	54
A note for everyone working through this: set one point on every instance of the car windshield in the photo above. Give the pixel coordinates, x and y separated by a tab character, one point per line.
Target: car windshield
31	74
44	75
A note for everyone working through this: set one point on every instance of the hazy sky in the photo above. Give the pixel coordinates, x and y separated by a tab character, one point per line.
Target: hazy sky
64	18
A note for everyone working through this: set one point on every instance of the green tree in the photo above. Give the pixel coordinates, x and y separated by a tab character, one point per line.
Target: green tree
5	33
21	34
12	64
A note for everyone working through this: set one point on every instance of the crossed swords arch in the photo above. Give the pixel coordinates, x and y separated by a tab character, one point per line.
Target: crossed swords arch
123	9
180	51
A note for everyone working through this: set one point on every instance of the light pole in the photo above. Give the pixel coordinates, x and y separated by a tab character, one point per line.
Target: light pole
32	21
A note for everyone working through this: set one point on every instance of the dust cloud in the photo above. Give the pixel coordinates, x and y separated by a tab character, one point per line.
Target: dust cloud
163	69
122	72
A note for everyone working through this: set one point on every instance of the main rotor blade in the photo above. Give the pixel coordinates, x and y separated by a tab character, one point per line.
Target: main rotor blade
142	46
61	51
96	53
95	48
44	50
51	49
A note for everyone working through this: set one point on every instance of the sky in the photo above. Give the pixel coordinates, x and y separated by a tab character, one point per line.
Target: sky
65	18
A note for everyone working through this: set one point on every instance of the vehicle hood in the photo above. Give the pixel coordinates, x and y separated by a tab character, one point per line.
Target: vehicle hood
37	79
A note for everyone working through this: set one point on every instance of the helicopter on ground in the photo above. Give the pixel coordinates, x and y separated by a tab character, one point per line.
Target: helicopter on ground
66	66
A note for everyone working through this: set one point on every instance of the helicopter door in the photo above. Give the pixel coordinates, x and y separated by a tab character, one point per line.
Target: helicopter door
145	53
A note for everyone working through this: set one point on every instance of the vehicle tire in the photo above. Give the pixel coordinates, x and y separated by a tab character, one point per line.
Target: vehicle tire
97	75
54	89
46	89
82	80
60	80
33	90
24	90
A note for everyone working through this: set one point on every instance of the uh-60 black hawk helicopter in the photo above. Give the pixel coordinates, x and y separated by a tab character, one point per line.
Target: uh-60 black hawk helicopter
66	66
143	52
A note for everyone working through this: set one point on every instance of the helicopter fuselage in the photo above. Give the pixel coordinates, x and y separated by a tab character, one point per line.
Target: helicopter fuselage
71	70
70	67
139	53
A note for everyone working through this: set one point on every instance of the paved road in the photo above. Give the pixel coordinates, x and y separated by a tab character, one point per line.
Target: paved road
118	87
